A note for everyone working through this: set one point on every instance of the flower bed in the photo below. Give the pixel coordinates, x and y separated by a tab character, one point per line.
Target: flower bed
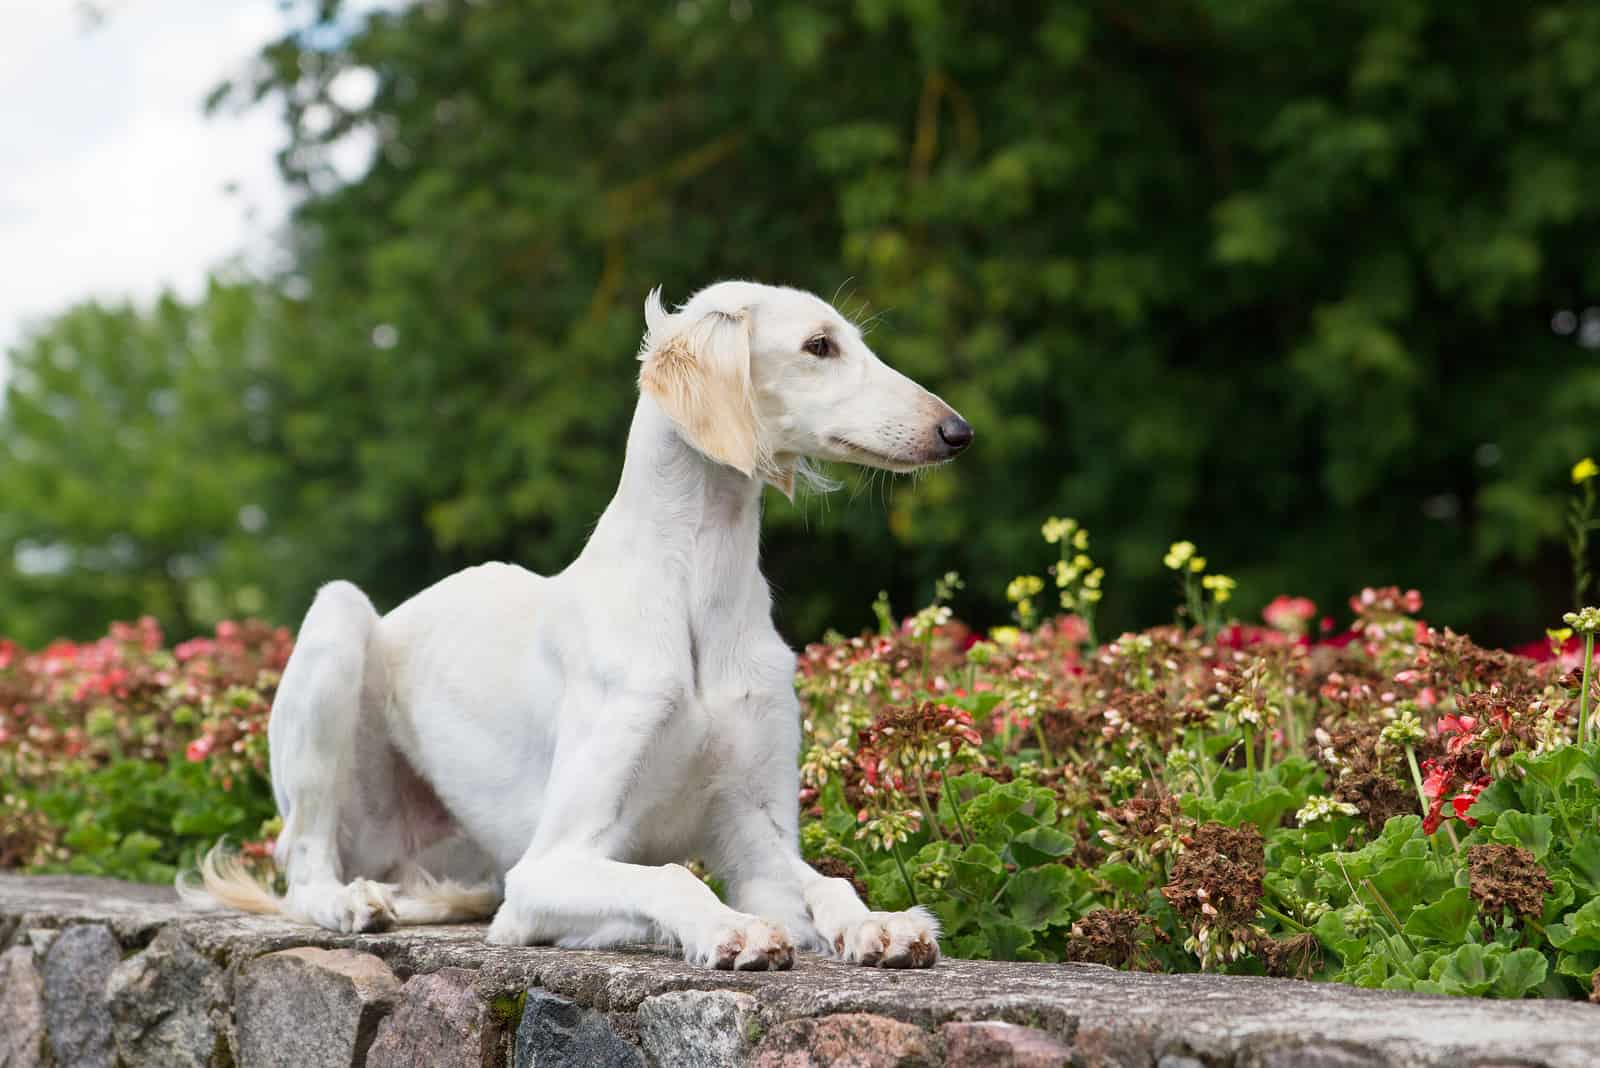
1390	806
124	758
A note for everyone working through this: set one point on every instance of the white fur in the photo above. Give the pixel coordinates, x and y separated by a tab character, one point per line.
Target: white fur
562	741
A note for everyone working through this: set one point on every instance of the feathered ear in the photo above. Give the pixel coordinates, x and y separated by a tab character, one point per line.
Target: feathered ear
699	373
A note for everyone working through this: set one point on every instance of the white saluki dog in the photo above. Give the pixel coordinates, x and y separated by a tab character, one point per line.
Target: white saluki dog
549	746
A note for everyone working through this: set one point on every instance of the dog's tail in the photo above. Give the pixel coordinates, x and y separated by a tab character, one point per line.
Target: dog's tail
227	882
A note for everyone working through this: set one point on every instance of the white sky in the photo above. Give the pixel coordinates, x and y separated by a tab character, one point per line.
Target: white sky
112	181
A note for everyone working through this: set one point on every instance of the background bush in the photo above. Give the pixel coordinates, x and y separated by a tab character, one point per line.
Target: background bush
1306	282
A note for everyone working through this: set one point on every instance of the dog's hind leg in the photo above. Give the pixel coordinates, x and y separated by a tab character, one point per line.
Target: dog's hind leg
332	767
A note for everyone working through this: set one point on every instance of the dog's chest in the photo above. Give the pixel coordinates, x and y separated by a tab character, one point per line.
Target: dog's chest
683	769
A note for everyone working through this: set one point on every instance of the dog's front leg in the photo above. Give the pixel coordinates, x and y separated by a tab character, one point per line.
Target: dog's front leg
757	820
576	898
570	889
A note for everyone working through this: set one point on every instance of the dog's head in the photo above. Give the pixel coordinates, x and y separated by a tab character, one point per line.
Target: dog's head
759	377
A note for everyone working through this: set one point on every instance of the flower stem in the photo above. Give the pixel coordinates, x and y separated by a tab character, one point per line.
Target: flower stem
1383	906
910	889
955	808
1044	746
1416	779
922	794
1205	761
1284	918
1583	697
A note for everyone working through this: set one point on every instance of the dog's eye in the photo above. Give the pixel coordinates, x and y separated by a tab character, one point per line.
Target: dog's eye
819	346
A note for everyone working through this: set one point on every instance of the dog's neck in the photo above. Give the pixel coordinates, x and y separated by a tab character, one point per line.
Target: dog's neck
688	516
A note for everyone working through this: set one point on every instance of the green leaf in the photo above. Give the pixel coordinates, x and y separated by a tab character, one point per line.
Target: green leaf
1578	931
1445	920
1560	895
1267	807
1038	846
1408	882
1531	832
1556	767
1039	897
1521	972
1500	796
1124	878
1468	971
1578	965
1007	940
1584	862
978	871
1331	931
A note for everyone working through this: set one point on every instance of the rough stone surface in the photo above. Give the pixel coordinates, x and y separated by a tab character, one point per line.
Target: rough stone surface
995	1044
442	1022
21	1010
311	1008
698	1028
847	1040
557	1033
1106	1017
40	940
162	1004
75	1010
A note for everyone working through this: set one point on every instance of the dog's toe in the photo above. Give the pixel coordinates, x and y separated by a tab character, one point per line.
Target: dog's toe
754	946
892	940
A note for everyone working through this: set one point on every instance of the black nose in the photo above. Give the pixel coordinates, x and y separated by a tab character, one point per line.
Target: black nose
955	432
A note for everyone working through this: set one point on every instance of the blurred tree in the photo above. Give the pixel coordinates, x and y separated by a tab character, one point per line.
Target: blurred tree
130	468
1276	277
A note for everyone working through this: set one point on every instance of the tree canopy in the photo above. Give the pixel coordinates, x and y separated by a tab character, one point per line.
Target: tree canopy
1306	284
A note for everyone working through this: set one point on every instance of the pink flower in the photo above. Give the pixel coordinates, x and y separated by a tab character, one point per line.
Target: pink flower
1463	801
198	749
1461	727
1434	779
1291	614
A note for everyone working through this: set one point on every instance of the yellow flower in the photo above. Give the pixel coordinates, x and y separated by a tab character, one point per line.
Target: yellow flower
1584	470
1056	529
1023	586
1092	595
1080	540
1179	555
1197	565
1221	587
1005	637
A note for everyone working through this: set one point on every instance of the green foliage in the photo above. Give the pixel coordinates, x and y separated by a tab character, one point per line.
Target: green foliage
133	465
1302	257
145	821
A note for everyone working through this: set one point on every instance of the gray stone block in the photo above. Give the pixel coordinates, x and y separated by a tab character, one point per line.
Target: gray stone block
311	1008
21	1010
856	1040
77	1015
440	1021
164	1005
698	1028
557	1033
993	1044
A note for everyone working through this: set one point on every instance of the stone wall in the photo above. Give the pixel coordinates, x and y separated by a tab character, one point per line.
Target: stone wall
96	973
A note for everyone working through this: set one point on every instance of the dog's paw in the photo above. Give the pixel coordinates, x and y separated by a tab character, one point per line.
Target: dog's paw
363	907
506	930
750	944
907	939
